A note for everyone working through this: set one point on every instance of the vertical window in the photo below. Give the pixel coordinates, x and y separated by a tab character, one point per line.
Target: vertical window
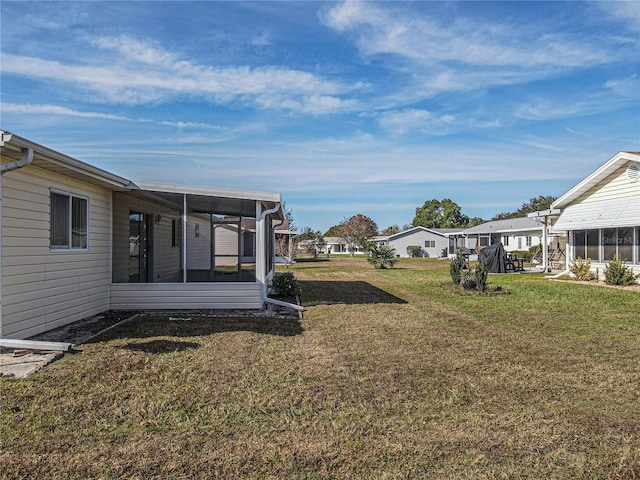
69	221
593	245
505	240
579	242
625	244
528	241
609	243
637	243
519	243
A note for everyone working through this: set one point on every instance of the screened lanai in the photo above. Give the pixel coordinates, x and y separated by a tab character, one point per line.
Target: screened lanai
182	241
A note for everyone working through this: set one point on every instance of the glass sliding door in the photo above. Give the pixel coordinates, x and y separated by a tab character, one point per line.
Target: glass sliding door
140	264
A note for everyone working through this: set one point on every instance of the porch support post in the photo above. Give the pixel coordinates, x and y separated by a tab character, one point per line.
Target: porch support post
184	238
260	250
545	245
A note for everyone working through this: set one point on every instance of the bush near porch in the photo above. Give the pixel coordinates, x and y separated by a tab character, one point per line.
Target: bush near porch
389	375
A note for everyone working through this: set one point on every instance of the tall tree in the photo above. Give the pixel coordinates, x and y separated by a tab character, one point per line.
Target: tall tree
543	202
443	213
355	230
392	230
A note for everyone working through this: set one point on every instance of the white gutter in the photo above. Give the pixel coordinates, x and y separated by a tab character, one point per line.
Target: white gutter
27	158
283	304
35	345
263	273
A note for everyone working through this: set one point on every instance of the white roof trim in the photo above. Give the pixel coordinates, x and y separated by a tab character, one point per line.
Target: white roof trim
594	178
206	191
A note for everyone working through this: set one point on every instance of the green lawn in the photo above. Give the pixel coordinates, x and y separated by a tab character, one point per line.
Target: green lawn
391	374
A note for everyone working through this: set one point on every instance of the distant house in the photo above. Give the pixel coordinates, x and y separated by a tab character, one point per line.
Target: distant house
514	233
336	245
601	214
430	242
77	240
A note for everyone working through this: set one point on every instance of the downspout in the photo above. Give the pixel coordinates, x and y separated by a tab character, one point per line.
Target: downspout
27	158
263	280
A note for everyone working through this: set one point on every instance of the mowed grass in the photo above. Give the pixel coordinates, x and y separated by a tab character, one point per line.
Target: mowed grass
391	374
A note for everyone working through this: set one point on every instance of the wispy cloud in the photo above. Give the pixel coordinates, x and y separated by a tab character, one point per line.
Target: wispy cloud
140	72
463	54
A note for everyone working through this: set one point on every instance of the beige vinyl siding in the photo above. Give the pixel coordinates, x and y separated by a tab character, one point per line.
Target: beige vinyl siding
175	296
226	243
44	289
198	248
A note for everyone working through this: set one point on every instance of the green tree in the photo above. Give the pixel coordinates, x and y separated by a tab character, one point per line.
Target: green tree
392	230
382	257
533	205
443	213
356	230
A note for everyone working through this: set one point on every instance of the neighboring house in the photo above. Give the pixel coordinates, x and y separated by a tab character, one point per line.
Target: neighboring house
431	242
601	214
514	233
78	240
338	246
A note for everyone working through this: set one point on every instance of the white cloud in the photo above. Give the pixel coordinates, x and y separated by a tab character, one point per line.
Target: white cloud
56	110
463	54
142	73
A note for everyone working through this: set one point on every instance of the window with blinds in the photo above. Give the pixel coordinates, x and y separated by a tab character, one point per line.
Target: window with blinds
69	221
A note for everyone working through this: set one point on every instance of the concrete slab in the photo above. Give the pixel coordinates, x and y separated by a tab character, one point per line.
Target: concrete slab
22	366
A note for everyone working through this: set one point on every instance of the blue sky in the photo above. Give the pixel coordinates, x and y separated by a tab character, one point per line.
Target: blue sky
342	107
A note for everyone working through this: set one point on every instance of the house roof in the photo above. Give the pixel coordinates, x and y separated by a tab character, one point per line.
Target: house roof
519	224
48	159
211	199
618	160
413	230
200	199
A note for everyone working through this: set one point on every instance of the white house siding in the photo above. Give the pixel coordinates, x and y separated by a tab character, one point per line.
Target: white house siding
175	296
616	185
613	202
198	247
44	289
166	257
418	237
226	244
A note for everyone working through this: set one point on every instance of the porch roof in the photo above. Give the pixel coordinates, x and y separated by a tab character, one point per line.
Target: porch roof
209	199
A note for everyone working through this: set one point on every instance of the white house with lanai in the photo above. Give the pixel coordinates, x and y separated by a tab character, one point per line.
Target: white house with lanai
78	240
601	214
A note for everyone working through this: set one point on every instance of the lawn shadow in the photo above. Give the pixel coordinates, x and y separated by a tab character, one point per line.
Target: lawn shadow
161	346
185	324
343	292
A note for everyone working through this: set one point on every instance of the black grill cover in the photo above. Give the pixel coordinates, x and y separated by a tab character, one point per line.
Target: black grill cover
494	258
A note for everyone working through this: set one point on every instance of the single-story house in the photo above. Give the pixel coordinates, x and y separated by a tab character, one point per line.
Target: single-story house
601	214
430	241
335	245
78	240
514	233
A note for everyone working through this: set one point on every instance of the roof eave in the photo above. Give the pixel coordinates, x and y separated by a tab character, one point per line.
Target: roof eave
606	169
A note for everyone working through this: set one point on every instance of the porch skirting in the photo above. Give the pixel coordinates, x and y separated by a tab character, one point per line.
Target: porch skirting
185	296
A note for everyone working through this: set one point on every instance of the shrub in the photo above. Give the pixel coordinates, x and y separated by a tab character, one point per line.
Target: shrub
284	284
414	251
382	257
582	269
616	273
455	267
480	276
